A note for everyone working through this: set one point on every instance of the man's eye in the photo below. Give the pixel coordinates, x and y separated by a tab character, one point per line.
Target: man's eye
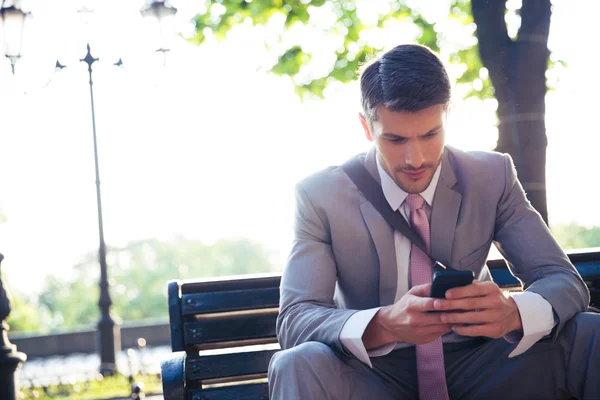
431	134
397	140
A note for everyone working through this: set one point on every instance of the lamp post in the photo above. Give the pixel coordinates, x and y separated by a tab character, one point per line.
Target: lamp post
162	13
13	18
12	21
109	333
12	24
10	358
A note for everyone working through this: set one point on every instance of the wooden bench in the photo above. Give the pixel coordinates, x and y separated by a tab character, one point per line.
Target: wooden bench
215	325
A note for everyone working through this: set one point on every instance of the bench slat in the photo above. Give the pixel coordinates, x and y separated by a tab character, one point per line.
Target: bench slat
233	300
253	391
231	328
224	284
589	270
228	365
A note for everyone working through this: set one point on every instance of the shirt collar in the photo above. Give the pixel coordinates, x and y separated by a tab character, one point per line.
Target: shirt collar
396	196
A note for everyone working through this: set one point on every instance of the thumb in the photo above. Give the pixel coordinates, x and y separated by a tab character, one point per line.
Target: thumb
421	290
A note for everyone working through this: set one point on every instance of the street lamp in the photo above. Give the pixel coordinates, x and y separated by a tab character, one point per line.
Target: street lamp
10	358
161	14
12	27
13	22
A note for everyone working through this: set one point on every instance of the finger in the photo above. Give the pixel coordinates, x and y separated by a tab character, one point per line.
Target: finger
467	304
489	330
473	317
436	329
475	289
421	290
421	304
423	319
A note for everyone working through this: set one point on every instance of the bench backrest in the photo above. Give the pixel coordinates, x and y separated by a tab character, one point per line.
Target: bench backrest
223	314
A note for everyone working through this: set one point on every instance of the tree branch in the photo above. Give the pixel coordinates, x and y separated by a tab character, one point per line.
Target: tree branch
535	21
491	28
494	42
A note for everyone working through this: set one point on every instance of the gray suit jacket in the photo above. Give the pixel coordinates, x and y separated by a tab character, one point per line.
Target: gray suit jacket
343	257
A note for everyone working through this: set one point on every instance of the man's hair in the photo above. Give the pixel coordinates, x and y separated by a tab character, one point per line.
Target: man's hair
407	78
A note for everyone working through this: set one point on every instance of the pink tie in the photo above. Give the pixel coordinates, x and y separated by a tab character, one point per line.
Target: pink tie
430	356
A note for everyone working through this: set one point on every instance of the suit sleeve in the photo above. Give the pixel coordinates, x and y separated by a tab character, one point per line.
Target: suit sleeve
534	256
307	309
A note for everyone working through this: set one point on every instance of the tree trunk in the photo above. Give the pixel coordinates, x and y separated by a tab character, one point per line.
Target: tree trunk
517	69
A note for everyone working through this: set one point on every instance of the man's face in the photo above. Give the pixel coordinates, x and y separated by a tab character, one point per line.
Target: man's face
409	144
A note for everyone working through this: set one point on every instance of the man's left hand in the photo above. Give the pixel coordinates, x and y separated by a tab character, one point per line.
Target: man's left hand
483	307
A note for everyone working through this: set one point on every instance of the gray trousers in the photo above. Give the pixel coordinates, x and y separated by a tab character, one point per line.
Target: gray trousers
477	369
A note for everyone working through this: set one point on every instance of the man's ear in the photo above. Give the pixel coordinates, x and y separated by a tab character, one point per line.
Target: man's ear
365	125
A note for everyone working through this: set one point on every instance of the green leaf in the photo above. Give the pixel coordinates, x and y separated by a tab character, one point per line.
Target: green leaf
428	34
315	87
291	61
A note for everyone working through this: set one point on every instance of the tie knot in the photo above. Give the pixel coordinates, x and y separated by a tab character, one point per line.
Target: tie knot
415	201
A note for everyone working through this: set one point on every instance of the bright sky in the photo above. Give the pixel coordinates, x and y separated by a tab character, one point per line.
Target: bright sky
207	146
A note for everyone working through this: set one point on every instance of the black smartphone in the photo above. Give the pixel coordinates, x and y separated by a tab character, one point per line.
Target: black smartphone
448	279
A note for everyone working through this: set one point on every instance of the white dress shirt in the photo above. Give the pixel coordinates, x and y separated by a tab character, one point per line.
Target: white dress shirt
536	312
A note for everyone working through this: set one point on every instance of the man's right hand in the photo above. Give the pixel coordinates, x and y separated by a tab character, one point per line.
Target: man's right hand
408	320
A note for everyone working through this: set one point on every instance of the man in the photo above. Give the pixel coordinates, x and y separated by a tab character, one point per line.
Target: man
356	320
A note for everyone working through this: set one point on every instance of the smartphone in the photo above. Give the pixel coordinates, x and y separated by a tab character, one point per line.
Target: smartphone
448	279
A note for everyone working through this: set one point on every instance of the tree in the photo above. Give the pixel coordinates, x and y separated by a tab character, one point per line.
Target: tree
512	69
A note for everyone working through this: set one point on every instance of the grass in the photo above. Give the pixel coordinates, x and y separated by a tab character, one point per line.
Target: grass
103	388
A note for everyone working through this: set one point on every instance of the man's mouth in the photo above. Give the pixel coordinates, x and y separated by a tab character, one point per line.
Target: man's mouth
415	174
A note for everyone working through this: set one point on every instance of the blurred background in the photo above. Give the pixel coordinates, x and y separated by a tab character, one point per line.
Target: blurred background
206	115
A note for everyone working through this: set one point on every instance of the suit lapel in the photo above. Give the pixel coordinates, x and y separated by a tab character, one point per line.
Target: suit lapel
383	239
444	214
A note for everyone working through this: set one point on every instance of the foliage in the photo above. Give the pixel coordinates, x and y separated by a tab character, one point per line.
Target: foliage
24	316
351	26
69	303
139	273
573	236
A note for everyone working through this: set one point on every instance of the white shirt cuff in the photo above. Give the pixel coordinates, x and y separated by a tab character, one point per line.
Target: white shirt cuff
352	332
537	319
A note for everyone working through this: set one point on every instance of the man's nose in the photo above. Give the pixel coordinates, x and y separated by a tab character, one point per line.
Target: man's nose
414	155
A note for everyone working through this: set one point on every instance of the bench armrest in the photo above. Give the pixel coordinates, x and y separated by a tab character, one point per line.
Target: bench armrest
173	376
